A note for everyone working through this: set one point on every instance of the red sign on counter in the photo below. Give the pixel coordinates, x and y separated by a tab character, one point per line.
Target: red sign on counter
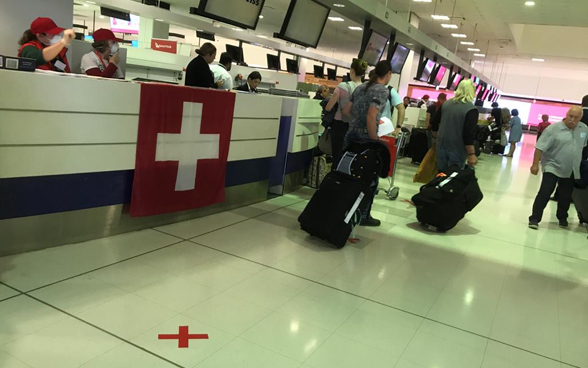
165	46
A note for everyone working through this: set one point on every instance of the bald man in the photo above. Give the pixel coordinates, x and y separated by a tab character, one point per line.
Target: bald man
560	152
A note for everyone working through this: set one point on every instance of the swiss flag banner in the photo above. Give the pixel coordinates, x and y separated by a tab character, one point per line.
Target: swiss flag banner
182	149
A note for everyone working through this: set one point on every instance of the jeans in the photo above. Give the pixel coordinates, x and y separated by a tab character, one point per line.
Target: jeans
338	132
447	158
350	137
564	193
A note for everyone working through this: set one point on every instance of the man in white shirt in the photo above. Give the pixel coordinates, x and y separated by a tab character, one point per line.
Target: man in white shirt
221	71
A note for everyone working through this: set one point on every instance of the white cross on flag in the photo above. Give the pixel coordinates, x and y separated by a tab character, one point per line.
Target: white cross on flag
182	149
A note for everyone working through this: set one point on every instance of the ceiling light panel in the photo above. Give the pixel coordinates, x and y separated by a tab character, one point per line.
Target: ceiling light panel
452	26
336	19
459	35
439	17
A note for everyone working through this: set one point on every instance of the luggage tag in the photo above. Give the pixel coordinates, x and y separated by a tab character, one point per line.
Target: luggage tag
354	207
60	65
444	182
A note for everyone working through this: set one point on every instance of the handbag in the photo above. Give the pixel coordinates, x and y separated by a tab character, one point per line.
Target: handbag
324	143
427	169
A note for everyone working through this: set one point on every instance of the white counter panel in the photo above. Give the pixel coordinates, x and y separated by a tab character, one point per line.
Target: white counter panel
249	105
247	129
34	128
247	150
49	92
21	161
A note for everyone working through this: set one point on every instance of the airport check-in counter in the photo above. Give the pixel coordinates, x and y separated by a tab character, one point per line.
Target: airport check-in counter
68	148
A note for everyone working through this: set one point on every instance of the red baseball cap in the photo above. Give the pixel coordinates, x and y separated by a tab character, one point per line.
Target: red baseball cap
104	34
45	25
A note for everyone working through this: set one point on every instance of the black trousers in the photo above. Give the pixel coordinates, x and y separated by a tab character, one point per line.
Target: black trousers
564	193
338	132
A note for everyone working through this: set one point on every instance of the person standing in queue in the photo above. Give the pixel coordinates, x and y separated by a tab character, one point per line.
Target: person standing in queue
198	73
433	120
342	94
253	81
221	71
322	92
457	130
46	43
366	106
103	61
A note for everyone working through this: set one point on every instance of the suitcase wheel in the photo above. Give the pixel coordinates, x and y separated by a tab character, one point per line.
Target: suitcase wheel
393	193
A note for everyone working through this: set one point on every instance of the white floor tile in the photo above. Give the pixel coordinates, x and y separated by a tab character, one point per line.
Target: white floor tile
64	344
179	257
22	315
197	351
435	345
130	275
127	316
127	356
287	336
220	311
192	228
176	293
6	292
340	352
79	294
216	275
503	356
8	361
243	354
264	292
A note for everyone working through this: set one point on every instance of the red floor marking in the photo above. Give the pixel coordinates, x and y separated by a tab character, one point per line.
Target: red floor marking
183	337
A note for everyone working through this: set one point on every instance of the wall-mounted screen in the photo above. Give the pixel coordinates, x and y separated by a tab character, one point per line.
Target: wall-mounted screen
331	74
439	75
399	56
123	26
456	79
425	76
236	52
304	22
319	71
240	13
273	62
292	66
374	48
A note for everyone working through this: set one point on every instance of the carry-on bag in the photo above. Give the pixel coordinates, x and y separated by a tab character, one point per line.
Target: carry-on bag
444	201
319	168
336	208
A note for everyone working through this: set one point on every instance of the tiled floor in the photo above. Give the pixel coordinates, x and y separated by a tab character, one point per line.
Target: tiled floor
491	293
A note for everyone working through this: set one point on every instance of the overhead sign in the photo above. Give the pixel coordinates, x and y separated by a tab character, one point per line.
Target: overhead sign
164	46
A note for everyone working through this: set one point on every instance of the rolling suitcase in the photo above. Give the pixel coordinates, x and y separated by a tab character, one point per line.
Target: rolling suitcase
419	145
444	201
580	198
336	208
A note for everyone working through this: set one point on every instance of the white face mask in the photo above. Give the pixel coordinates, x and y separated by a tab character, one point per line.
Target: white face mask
114	48
49	40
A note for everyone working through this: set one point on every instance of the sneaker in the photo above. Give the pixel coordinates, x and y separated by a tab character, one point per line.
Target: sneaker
370	221
563	224
533	225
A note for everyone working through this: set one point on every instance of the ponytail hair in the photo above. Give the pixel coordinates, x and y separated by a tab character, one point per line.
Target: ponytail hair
359	66
27	37
206	49
382	69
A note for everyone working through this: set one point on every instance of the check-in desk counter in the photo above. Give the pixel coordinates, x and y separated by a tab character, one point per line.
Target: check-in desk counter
67	157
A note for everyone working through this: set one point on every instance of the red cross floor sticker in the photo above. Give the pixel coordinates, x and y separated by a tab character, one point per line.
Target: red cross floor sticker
183	337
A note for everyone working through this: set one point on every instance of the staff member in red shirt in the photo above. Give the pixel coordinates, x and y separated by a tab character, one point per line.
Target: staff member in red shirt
103	61
45	43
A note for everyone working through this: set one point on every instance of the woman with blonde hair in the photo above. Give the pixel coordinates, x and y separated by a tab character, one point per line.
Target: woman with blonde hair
457	131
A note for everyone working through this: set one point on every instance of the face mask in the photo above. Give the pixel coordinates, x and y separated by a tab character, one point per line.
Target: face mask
114	49
54	40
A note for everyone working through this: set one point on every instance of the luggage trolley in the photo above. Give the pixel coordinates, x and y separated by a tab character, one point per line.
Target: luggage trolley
395	144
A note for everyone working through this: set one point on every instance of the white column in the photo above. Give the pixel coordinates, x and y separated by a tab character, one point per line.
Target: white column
406	77
151	28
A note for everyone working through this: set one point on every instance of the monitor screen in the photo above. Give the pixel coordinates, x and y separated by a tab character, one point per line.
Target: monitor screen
332	74
236	52
399	57
123	26
319	71
427	70
456	79
304	22
273	62
244	13
374	48
441	70
292	66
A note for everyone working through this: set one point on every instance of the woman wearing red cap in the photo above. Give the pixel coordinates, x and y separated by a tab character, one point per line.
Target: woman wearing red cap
103	61
45	43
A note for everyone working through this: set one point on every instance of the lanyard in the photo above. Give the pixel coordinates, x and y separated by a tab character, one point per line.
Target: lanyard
101	59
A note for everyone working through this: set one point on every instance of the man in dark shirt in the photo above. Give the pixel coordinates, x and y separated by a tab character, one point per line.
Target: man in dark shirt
434	120
497	114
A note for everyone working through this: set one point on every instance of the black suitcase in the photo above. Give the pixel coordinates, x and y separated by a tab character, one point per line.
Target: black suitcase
419	145
580	198
445	200
366	160
336	208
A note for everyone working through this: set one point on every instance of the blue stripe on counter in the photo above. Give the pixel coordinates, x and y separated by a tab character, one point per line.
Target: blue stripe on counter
39	195
298	161
279	162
